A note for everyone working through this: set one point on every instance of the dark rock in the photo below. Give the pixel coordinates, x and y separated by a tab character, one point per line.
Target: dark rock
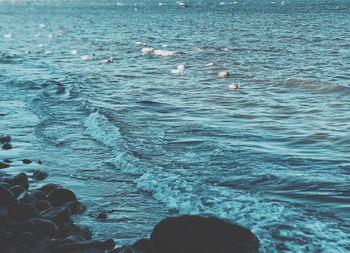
21	179
22	212
5	138
46	227
6	185
26	238
107	244
59	215
27	226
196	234
60	196
27	161
7	161
39	195
40	175
50	187
4	165
42	205
143	245
72	246
26	198
5	220
39	162
6	196
75	207
69	229
102	216
17	190
6	146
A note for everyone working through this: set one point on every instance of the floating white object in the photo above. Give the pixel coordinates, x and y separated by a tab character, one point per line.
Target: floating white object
42	25
163	53
224	73
234	87
48	52
74	52
85	57
180	70
147	50
8	35
110	60
210	64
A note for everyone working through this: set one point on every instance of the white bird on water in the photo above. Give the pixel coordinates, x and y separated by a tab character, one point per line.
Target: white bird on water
234	87
109	60
87	57
8	35
224	73
180	70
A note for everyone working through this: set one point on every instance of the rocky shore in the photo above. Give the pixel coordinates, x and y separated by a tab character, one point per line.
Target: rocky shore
40	221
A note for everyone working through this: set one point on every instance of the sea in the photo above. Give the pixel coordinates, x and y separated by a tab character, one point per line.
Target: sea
82	90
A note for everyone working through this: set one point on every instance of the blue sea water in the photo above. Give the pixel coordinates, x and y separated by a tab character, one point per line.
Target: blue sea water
141	143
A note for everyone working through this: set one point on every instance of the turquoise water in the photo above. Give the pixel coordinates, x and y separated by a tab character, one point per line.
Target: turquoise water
132	138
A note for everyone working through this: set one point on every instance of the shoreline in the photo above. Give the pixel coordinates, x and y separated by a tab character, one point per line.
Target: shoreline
41	220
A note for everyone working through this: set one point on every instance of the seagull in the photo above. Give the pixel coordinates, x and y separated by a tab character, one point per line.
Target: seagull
8	35
210	64
110	60
234	87
224	73
180	70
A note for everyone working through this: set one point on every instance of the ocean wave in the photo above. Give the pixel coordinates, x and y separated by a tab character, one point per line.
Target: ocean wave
316	86
280	227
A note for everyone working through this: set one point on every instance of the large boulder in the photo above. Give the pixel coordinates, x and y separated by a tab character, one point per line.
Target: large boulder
6	196
197	234
22	212
59	197
21	179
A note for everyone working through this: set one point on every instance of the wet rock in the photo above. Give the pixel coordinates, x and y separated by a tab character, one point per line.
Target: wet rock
107	244
6	146
75	207
69	229
40	175
22	212
7	161
39	162
5	138
68	247
27	226
102	216
6	185
5	220
42	205
27	161
143	245
50	187
6	196
26	198
26	238
59	215
196	234
4	165
61	196
39	195
17	190
46	227
21	179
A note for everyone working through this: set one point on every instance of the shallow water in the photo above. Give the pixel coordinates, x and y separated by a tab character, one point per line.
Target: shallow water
141	143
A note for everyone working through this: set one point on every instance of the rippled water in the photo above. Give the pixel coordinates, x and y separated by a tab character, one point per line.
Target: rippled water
135	140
